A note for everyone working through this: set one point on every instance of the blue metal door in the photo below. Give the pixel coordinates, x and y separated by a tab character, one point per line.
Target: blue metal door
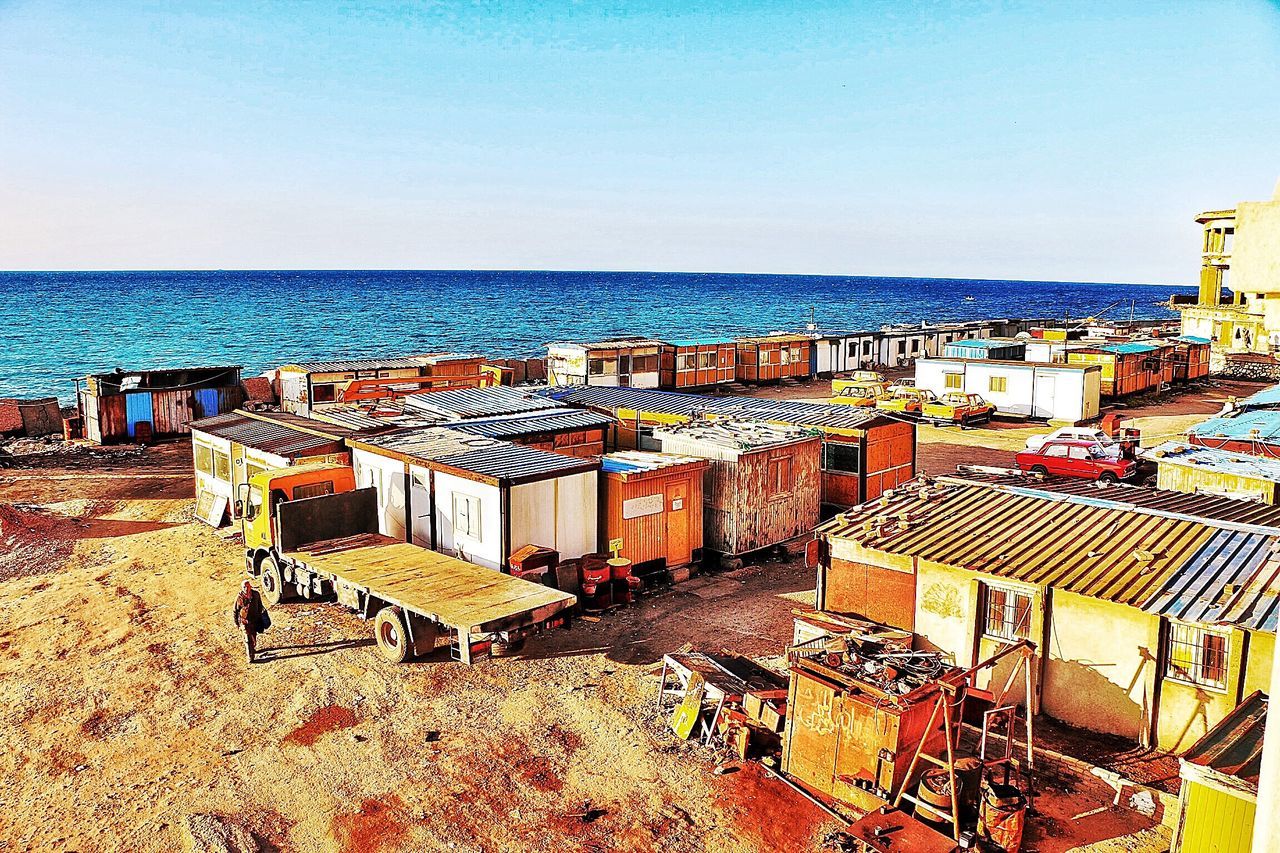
137	408
207	404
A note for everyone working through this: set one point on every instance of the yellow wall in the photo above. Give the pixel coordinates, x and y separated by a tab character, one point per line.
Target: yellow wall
1259	661
1187	711
1214	821
946	611
1189	480
1101	669
1255	257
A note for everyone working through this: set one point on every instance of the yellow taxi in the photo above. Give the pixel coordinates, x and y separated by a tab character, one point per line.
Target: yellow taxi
958	408
906	400
865	394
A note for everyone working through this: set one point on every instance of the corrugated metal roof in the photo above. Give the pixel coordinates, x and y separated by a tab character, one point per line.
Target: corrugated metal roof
488	457
380	416
1192	339
1209	507
342	366
1262	424
283	434
1265	398
625	342
1119	554
818	415
1234	746
1232	579
639	461
985	343
460	403
533	423
1220	461
697	342
738	434
1129	348
775	338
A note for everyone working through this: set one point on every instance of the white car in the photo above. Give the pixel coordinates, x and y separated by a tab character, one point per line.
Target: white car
1072	433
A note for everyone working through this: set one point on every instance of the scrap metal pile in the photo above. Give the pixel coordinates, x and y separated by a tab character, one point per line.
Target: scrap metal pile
887	666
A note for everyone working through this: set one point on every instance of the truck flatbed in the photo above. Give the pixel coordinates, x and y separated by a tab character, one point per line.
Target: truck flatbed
467	597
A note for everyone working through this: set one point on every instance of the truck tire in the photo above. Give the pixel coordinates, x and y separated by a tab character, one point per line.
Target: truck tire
272	582
1039	470
391	634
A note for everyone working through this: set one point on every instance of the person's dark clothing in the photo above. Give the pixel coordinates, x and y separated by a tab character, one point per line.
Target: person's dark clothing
249	615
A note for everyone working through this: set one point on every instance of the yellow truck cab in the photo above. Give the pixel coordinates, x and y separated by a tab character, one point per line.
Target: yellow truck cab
269	488
906	400
860	395
958	408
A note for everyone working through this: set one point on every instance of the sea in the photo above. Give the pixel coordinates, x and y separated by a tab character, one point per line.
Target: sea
62	325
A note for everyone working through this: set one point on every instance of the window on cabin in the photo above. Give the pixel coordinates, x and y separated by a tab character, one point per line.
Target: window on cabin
840	457
1008	614
324	393
685	361
853	349
1197	655
644	364
466	516
707	359
204	459
595	367
780	476
221	466
953	380
998	384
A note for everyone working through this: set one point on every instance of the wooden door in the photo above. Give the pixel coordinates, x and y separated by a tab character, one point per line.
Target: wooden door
678	509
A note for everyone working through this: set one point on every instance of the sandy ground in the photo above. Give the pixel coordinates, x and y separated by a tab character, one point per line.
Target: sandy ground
127	710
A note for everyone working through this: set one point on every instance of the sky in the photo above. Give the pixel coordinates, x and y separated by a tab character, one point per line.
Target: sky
1047	141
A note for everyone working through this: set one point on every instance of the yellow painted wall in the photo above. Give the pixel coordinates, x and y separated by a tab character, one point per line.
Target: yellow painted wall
1187	711
946	610
1255	257
1191	481
1214	821
1259	660
1101	669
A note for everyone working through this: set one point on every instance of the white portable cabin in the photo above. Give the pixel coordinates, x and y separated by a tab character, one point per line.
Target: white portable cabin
230	448
630	362
477	498
1065	393
841	352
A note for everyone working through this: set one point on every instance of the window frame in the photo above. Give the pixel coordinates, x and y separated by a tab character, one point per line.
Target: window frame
846	449
781	481
1005	593
997	384
221	465
471	512
953	381
206	469
1183	635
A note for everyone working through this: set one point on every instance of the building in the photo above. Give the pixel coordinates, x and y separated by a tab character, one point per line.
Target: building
763	485
1256	432
697	363
844	352
997	349
1198	470
772	358
624	362
1062	393
470	403
1153	619
864	452
651	511
478	498
230	448
1219	795
1237	306
307	386
1134	367
1190	357
141	405
575	432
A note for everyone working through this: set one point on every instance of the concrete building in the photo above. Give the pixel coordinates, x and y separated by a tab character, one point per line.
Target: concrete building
1059	393
1238	304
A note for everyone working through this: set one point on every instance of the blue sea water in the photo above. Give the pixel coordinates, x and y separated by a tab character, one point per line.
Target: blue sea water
61	325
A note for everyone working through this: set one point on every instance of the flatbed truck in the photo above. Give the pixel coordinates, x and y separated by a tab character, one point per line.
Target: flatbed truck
310	533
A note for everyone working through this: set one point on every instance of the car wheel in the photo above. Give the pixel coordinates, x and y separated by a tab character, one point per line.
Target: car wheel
1107	477
1039	470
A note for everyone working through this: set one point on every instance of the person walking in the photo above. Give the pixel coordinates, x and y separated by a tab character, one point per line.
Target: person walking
250	616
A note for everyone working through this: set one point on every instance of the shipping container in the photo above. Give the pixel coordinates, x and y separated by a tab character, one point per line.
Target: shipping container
306	386
771	358
1134	367
764	483
697	362
125	405
651	511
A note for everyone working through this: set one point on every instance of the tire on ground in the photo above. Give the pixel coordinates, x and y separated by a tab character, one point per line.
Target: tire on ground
1107	477
271	582
392	634
1039	470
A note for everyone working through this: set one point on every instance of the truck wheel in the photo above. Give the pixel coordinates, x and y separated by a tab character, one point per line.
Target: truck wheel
1039	470
1107	477
392	634
272	583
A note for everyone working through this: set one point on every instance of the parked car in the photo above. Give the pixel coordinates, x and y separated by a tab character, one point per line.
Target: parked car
906	400
860	395
1076	433
958	408
1074	458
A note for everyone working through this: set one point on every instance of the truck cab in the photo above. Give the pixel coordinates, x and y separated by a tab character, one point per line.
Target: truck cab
257	500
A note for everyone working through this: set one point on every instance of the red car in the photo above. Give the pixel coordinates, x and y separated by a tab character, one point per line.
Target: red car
1074	458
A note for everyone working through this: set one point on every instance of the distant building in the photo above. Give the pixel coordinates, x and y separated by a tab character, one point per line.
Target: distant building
1238	305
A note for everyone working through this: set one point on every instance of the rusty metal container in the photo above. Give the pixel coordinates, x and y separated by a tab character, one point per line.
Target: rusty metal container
651	509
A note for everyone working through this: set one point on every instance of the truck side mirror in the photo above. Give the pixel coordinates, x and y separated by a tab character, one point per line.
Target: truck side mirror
239	508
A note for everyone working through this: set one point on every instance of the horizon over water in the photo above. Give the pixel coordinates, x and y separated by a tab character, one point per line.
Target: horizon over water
62	325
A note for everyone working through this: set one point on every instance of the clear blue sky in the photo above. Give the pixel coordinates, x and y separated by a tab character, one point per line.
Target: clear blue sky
1060	140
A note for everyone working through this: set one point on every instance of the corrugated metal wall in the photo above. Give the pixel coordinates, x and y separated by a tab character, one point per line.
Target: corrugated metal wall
1216	822
646	538
137	407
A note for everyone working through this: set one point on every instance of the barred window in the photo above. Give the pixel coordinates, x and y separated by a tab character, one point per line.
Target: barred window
1008	614
1197	655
